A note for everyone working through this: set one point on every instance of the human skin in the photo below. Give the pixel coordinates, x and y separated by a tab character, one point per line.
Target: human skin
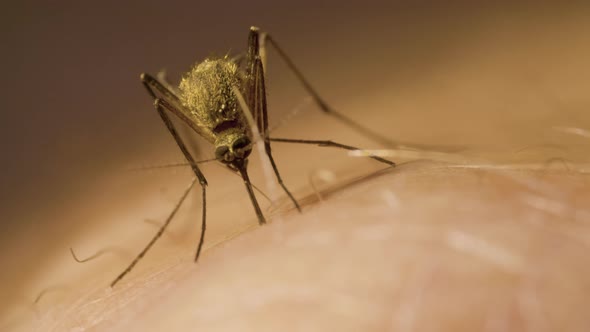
493	237
423	247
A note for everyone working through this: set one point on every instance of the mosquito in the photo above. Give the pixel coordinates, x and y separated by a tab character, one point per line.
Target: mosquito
212	99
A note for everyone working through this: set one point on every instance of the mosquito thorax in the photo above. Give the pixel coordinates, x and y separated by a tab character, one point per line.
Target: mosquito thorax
206	92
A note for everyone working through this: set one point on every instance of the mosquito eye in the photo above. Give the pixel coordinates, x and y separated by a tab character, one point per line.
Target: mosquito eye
240	143
220	152
241	147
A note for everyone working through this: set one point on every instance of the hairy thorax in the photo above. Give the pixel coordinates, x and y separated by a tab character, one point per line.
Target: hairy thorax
207	92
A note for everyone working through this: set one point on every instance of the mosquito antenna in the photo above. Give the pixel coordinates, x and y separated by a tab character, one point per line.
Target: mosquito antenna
183	164
145	168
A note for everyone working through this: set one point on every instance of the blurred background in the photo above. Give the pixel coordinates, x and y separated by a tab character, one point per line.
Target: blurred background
494	76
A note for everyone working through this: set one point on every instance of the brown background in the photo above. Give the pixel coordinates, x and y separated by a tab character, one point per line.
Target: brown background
74	115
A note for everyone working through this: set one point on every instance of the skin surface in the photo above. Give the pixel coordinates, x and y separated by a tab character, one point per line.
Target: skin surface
491	237
372	257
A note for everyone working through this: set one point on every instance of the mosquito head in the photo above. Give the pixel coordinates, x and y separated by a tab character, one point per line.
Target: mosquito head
235	147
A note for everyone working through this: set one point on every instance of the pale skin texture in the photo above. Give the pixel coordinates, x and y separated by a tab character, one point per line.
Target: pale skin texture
493	238
402	251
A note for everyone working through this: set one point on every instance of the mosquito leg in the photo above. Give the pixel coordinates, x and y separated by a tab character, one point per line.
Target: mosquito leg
322	104
161	105
257	100
157	236
279	179
149	82
325	143
244	173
